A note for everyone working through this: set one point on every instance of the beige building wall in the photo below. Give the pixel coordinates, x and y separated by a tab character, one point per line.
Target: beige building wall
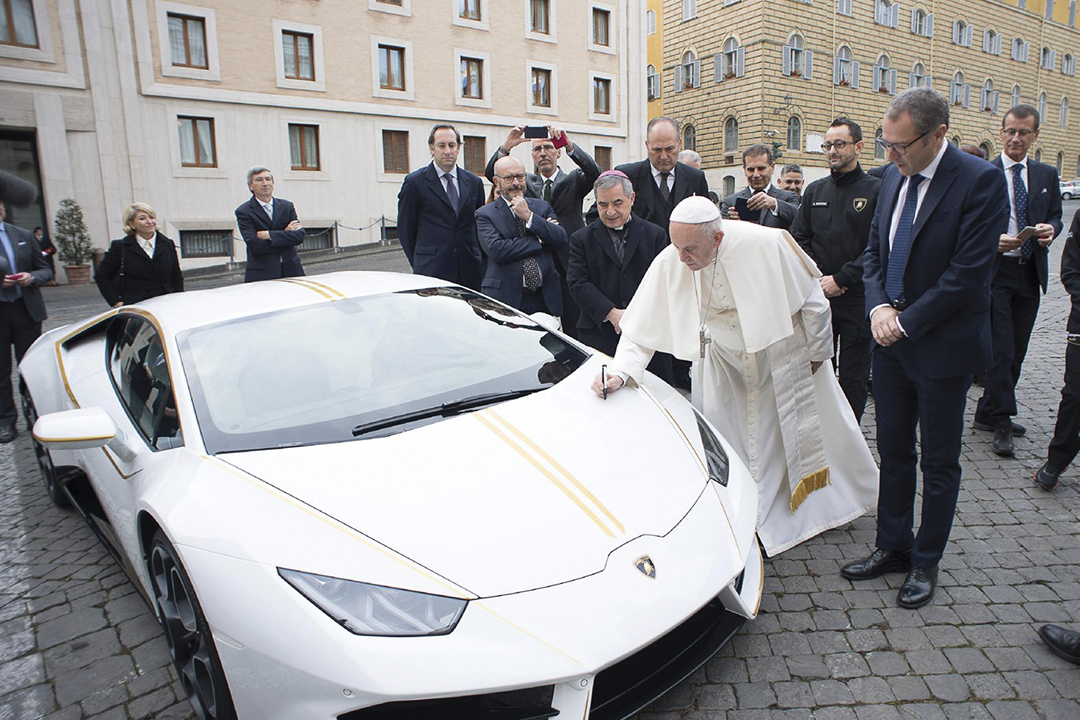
763	99
102	97
655	53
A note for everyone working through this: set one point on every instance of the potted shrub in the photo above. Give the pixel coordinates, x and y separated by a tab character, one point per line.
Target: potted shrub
73	241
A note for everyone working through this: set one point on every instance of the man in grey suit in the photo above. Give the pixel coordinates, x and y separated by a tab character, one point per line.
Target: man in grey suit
774	207
564	191
24	270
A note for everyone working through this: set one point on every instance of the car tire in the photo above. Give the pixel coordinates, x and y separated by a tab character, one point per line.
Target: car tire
191	644
44	460
1066	196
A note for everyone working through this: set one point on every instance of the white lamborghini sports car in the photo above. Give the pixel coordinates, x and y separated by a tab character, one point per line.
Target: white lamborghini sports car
372	495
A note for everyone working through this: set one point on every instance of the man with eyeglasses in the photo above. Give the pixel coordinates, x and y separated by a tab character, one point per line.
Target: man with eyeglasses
926	273
832	225
564	191
1020	271
520	237
769	205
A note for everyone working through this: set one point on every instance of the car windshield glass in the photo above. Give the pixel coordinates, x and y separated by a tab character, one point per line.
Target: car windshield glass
314	374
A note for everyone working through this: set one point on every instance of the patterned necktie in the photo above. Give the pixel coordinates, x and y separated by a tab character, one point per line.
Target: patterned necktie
529	266
269	210
665	191
1020	199
547	191
451	191
894	280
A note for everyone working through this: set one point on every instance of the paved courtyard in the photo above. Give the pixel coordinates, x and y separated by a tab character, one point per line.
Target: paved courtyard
77	641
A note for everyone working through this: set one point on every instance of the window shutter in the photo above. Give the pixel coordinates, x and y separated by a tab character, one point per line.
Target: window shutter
836	71
968	33
956	32
718	67
1024	52
930	25
915	21
967	95
911	79
1053	59
808	62
854	74
995	103
678	78
695	73
988	43
785	60
892	82
894	19
877	78
739	66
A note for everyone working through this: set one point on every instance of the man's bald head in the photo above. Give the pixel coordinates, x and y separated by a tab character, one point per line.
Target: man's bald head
510	177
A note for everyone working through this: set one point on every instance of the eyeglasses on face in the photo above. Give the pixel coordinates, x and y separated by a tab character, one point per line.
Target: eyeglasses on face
1023	133
519	177
838	144
899	148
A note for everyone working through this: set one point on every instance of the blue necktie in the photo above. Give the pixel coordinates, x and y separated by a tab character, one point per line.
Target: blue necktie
894	280
1020	199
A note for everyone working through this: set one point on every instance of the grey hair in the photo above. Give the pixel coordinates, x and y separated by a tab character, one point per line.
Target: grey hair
609	181
791	167
693	155
927	107
712	227
256	170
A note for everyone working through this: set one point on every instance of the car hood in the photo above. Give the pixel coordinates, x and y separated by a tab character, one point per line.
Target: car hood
521	495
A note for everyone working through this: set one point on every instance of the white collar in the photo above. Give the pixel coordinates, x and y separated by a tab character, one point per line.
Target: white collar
1007	162
656	173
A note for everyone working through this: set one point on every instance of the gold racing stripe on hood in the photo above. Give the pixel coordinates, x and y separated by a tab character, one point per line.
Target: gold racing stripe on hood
325	290
532	453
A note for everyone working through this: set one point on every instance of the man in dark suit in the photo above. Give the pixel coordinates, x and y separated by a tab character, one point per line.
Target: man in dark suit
564	191
1020	271
926	274
608	259
774	207
24	270
520	237
436	214
271	230
661	181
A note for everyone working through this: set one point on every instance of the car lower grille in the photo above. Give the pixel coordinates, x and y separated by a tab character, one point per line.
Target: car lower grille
527	704
624	688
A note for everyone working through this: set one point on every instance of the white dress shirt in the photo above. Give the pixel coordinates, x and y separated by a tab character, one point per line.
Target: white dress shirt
1014	228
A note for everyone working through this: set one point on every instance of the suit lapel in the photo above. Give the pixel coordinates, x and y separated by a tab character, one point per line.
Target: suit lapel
436	187
939	185
633	239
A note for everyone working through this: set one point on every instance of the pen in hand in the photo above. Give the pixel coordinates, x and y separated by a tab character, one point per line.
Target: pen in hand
603	381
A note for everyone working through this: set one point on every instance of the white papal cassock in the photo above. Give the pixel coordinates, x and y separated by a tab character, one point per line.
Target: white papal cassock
761	308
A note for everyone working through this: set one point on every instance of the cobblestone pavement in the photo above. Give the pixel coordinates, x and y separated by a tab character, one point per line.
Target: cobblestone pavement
76	640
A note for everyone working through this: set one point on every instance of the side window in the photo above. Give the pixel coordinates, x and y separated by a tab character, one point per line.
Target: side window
140	376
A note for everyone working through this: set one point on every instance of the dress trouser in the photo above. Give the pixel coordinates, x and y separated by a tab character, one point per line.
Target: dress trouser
1066	441
851	329
532	301
18	331
1014	294
904	398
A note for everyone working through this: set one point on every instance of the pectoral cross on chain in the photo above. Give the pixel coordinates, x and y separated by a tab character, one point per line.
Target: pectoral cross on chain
704	341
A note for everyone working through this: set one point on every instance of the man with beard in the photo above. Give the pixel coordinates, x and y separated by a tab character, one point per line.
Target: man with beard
832	226
769	205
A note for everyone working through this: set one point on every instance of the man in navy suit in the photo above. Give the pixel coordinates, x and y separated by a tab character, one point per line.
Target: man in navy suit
1020	271
520	237
926	274
436	214
608	259
271	230
23	270
771	206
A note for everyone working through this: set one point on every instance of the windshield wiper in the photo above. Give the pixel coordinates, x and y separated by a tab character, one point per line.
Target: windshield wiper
447	409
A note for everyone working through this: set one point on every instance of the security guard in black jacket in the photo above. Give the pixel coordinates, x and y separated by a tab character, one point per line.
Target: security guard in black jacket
832	226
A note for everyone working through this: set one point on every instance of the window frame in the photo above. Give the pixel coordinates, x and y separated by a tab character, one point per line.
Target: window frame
552	69
210	73
484	101
403	7
318	67
409	93
118	326
794	123
195	141
301	127
474	161
731	135
395	135
484	21
9	12
611	30
599	79
551	35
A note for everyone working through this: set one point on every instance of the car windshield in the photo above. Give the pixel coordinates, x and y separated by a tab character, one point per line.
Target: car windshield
374	365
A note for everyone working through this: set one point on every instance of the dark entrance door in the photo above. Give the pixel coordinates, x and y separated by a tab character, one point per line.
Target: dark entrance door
18	156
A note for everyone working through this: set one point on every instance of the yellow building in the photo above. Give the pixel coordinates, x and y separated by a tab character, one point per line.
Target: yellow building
738	72
654	44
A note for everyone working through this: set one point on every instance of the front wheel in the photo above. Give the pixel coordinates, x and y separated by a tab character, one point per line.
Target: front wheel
1066	196
44	460
187	633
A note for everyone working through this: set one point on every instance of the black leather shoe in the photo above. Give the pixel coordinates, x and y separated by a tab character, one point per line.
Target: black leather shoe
1002	444
918	588
7	433
877	564
1062	642
1047	478
1018	430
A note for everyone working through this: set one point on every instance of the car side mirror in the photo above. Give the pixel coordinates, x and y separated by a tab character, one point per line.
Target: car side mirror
80	429
548	322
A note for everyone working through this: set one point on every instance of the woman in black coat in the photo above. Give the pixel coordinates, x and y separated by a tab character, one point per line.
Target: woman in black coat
142	265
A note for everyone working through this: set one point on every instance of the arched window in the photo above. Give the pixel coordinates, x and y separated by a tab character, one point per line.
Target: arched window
1014	99
1072	13
1060	162
1063	116
652	82
729	185
956	141
918	77
794	133
1078	166
845	69
958	92
1046	59
796	59
988	149
1042	106
989	99
922	23
691	70
731	64
884	76
1038	155
689	138
650	22
731	135
879	152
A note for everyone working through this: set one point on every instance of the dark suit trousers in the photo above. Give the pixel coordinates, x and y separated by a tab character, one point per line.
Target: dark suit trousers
1014	294
19	331
606	340
1066	441
532	301
851	329
906	398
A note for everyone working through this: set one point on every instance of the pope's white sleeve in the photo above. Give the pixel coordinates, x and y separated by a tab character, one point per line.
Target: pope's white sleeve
817	323
631	360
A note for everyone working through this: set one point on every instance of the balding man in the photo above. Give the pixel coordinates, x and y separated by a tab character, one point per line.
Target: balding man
520	237
661	182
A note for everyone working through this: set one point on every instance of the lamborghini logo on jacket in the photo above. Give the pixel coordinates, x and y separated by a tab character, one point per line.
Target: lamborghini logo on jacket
859	204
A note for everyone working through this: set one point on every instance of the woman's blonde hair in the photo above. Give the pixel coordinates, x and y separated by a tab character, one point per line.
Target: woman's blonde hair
131	211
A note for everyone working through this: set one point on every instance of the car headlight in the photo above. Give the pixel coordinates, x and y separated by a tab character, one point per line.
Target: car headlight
716	460
365	609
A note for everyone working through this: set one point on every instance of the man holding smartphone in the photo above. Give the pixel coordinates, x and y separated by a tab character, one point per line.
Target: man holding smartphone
761	202
1020	271
22	310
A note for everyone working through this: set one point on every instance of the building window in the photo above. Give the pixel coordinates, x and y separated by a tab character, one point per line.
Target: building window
729	185
1078	166
1038	155
1042	105
961	33
879	152
602	155
688	73
389	2
689	9
475	151
795	61
541	87
304	146
917	77
601	96
1060	162
988	149
469	10
884	76
391	67
17	25
540	16
601	27
205	243
794	133
845	69
843	7
1049	9
922	22
991	42
1019	50
197	144
187	41
299	61
989	99
1063	116
1014	99
1046	59
959	93
652	82
689	138
395	152
887	13
729	62
650	22
472	78
731	135
1072	13
1068	64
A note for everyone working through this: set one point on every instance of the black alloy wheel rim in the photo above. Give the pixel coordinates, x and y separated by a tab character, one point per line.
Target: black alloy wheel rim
44	459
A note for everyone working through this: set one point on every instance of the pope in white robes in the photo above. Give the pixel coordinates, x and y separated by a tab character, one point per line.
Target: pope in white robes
743	303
